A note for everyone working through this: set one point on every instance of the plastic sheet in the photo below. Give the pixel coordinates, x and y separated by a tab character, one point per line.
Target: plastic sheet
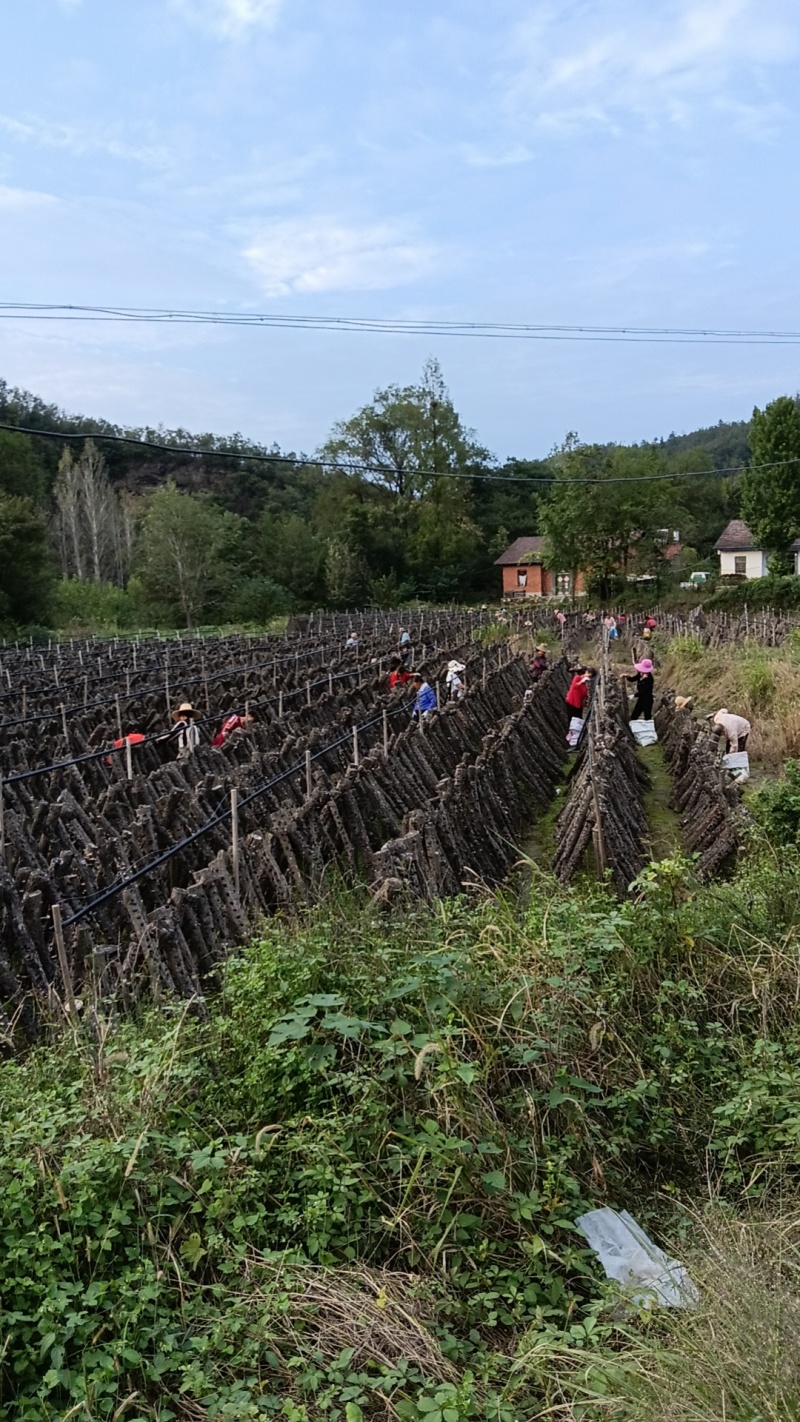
738	763
643	732
646	1274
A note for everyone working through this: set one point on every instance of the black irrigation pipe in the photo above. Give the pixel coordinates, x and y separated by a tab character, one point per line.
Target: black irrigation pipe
164	736
154	691
219	818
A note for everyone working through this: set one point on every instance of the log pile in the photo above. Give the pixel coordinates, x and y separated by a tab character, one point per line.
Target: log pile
706	797
467	777
605	805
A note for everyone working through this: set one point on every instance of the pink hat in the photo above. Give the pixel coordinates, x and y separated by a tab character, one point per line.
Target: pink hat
644	666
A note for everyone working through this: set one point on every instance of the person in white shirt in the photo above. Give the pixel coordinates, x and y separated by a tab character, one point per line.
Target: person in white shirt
736	729
187	733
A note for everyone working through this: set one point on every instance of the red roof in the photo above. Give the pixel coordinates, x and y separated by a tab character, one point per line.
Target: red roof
522	550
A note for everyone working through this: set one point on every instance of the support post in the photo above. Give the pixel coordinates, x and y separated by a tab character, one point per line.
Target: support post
119	715
309	785
385	735
66	976
355	746
64	724
128	758
85	692
308	693
2	823
235	839
24	702
280	704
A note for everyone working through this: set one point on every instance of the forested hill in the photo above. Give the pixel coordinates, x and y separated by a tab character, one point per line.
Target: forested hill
402	501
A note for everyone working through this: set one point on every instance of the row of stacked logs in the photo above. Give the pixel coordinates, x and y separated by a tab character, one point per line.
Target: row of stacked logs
605	807
170	928
705	796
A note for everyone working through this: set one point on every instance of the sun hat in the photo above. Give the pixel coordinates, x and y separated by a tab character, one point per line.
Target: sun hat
540	647
644	666
185	709
455	666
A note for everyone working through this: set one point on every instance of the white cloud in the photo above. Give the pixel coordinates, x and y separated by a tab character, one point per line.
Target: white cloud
23	199
590	64
81	139
228	18
319	255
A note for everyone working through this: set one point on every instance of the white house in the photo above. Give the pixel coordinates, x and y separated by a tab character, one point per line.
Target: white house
738	555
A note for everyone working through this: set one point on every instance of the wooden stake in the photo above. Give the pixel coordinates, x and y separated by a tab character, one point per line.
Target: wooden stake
280	704
119	715
86	691
66	976
330	683
355	746
24	702
2	822
235	839
308	693
64	723
386	735
128	758
308	775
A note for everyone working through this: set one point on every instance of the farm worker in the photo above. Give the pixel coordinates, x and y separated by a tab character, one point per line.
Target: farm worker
133	738
234	724
560	618
650	624
578	693
398	675
736	729
610	624
424	697
643	676
406	649
538	666
454	680
185	729
352	640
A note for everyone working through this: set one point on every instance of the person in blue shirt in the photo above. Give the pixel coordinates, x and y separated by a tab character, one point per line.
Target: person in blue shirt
424	697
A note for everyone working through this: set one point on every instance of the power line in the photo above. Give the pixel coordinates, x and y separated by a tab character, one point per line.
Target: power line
346	467
486	330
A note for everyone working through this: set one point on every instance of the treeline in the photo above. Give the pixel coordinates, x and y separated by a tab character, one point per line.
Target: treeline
402	501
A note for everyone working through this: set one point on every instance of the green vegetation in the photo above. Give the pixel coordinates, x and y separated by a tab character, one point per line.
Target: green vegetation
423	520
771	495
348	1188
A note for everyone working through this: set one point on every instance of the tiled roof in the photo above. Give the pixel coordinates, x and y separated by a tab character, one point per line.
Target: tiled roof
522	550
736	538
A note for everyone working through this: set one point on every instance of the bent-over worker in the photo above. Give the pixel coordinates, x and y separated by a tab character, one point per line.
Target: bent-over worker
645	687
735	729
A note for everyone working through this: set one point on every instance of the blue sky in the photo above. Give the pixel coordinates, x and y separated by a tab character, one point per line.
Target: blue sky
580	161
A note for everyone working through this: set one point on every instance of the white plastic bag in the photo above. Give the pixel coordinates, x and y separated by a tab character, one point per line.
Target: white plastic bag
647	1275
643	732
738	763
573	734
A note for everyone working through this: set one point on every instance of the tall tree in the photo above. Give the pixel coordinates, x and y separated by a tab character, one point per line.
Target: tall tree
598	519
771	496
407	435
26	574
90	527
186	553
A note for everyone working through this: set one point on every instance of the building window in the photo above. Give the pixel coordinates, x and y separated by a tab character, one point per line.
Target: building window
564	584
740	566
522	578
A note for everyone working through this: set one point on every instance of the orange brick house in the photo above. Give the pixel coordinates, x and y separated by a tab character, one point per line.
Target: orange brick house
525	574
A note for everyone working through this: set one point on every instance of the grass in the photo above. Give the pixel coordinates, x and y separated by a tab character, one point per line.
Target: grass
349	1191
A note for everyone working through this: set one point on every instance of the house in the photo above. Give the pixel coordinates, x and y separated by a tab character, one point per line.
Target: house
525	574
738	555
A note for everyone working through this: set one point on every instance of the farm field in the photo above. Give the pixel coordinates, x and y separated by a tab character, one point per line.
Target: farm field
302	1097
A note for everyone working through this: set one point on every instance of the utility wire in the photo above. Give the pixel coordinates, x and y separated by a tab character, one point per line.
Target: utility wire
492	330
357	468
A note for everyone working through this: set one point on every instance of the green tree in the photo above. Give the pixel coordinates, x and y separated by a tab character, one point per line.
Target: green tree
26	571
407	435
187	554
599	520
771	497
21	471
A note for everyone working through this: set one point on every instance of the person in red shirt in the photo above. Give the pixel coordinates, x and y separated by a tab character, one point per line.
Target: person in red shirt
578	693
398	674
231	724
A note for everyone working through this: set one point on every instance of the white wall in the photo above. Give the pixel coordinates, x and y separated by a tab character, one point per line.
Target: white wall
756	565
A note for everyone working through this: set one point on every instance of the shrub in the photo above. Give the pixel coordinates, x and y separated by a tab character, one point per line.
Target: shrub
86	607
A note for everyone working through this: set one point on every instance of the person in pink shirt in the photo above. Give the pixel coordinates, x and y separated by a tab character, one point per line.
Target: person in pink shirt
736	729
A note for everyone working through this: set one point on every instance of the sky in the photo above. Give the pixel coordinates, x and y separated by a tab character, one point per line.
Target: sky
581	162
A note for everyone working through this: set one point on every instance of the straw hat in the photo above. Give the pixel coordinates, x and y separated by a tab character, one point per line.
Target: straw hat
683	703
644	666
455	666
540	647
185	709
